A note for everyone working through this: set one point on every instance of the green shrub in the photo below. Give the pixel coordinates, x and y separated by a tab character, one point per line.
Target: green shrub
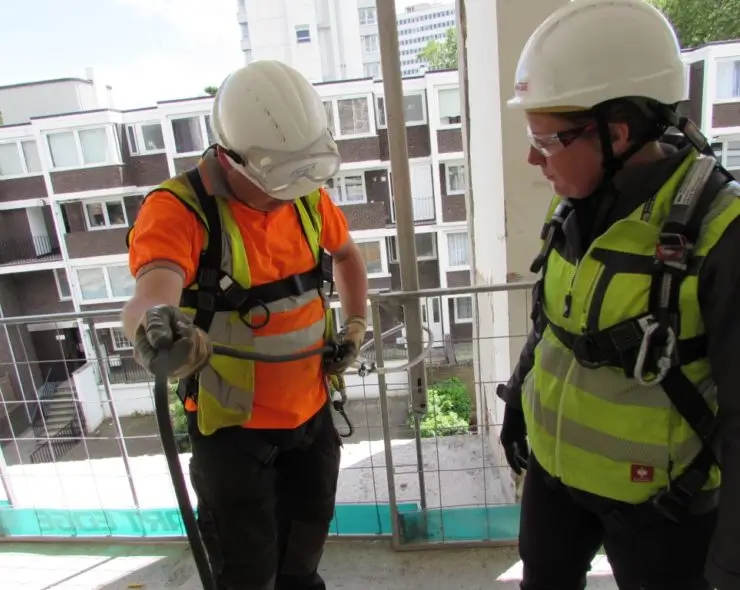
448	409
179	421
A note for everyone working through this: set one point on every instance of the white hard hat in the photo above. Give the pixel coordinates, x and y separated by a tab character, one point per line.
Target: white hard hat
273	126
592	51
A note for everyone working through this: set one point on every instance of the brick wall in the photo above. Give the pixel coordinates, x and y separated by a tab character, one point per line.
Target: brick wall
453	206
359	150
16	189
81	242
726	114
185	164
417	140
148	170
428	274
449	140
458	278
88	179
38	293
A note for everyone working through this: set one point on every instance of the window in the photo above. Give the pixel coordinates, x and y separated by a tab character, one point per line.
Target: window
413	110
82	147
103	283
60	277
347	189
728	79
371	70
449	106
354	116
732	155
457	249
463	309
426	247
329	108
302	34
19	158
191	134
455	178
145	138
367	16
370	43
105	214
119	340
372	255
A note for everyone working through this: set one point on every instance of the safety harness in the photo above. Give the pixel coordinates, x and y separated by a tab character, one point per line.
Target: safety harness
646	347
219	292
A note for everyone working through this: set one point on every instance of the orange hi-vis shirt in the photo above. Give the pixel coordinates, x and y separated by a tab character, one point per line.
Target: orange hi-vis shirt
285	394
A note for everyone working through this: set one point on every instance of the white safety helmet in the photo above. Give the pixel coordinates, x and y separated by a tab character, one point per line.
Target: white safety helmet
592	51
272	125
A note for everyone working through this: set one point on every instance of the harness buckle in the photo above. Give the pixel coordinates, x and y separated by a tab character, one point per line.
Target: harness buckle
585	348
673	250
672	502
663	353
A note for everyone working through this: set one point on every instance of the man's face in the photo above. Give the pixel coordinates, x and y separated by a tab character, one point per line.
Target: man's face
249	193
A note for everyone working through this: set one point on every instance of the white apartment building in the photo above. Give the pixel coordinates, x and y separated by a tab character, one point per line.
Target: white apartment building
329	40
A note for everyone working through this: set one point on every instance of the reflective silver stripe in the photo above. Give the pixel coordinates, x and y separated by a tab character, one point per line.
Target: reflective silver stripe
229	396
611	447
292	341
609	383
291	303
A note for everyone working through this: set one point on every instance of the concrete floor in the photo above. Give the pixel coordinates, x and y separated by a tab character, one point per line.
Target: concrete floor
347	566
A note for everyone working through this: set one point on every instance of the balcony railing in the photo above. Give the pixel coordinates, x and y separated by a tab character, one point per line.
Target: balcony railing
423	209
436	480
30	249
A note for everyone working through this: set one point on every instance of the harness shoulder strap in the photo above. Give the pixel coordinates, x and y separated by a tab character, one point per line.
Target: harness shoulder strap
209	265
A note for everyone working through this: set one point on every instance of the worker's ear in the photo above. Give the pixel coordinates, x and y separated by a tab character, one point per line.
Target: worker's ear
619	133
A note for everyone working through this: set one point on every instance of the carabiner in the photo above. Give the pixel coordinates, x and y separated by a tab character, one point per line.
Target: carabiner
665	360
337	383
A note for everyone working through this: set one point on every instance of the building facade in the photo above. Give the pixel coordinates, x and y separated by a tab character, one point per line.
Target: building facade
71	185
328	40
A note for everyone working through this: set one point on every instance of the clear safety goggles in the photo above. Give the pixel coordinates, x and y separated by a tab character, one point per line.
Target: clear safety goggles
275	170
550	144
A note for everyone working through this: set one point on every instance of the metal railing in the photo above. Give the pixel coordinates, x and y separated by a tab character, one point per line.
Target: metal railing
29	249
423	209
423	480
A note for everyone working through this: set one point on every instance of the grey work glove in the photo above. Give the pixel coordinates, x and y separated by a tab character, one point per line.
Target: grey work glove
167	341
514	438
349	340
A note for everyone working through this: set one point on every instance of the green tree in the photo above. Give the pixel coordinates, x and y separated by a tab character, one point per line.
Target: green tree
702	21
211	90
441	55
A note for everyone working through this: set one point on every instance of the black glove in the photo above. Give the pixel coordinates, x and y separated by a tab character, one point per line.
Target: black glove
514	438
166	335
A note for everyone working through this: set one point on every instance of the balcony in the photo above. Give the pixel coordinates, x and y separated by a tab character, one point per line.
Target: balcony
28	250
403	484
423	209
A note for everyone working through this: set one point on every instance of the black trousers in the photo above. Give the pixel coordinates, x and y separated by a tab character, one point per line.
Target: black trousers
561	530
265	502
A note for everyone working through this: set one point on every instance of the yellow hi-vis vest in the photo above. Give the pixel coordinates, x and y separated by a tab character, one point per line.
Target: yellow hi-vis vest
597	429
225	391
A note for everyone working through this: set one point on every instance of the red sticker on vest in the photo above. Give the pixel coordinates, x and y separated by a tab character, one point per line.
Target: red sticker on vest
642	473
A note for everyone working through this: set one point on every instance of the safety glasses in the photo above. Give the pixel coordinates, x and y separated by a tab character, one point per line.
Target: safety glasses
275	170
550	144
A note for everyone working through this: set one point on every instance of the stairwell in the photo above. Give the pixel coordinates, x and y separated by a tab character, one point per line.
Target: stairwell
58	423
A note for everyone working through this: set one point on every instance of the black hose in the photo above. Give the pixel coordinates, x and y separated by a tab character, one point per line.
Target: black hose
167	435
162	411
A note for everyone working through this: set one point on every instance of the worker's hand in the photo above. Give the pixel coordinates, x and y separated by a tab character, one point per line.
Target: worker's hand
514	438
349	340
167	341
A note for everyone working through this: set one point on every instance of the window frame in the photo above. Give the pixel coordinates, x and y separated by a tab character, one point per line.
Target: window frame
342	176
451	266
113	340
447	166
392	247
303	29
383	257
335	125
113	147
136	129
725	151
62	297
202	116
719	61
441	125
364	43
106	279
22	158
364	11
382	116
456	310
107	225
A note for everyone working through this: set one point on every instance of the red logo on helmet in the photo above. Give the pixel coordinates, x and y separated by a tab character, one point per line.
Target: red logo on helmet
522	87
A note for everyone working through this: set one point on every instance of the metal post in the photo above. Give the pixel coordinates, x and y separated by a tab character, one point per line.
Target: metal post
5	479
113	413
393	87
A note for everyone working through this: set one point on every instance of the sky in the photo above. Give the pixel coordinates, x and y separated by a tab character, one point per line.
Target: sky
147	50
